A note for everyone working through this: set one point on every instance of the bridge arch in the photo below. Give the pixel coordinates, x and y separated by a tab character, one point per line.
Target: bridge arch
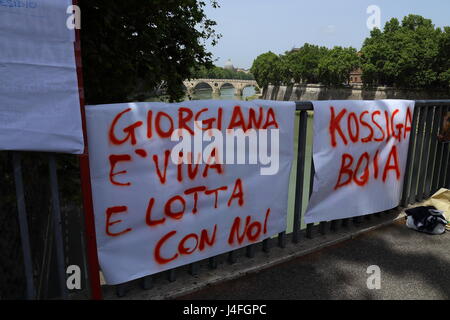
249	85
227	83
203	84
217	84
214	85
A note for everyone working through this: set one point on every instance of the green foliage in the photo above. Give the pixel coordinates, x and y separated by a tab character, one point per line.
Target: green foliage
335	66
304	63
443	62
220	73
410	54
284	70
126	46
136	45
266	69
310	64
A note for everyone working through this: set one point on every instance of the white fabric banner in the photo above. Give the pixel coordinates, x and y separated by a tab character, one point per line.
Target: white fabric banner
152	214
39	99
360	150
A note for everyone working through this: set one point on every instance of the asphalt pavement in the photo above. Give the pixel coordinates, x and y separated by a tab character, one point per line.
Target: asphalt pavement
412	265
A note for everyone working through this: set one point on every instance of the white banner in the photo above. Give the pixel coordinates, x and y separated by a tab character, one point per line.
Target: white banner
153	213
39	99
360	150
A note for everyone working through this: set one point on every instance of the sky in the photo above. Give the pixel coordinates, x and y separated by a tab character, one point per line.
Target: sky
252	27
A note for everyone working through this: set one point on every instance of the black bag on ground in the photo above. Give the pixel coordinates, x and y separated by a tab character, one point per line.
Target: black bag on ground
426	219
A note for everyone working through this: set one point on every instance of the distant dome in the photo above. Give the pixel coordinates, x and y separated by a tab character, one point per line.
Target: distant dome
229	65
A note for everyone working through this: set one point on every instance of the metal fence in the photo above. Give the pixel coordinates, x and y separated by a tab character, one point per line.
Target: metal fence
40	234
427	170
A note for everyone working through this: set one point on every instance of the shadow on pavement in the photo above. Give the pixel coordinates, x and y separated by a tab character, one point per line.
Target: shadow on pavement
413	266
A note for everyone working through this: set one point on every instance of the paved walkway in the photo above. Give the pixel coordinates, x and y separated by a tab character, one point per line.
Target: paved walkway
413	266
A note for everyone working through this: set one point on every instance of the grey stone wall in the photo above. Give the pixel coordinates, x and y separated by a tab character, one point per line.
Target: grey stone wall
356	92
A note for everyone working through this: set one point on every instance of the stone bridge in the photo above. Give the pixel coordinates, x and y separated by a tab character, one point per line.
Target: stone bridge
216	85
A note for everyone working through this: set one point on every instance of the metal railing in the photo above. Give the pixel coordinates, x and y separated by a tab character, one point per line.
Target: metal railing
427	170
55	240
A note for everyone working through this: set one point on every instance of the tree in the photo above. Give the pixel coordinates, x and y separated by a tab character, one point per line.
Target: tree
136	45
413	54
304	63
311	64
285	74
335	66
266	69
443	63
215	72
